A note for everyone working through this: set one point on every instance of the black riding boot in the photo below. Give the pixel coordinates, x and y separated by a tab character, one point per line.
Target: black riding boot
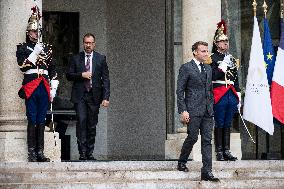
31	140
40	144
218	143
227	154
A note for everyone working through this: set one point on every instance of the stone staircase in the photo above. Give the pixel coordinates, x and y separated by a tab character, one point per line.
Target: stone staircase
139	174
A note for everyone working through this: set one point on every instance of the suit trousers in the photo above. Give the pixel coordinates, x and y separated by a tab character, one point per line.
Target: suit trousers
205	125
87	118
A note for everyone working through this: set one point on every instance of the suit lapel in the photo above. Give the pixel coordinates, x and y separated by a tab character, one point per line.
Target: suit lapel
82	61
206	71
196	69
94	62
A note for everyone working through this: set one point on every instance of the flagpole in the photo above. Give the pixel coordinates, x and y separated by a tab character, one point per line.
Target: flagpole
254	4
263	155
269	155
281	17
265	8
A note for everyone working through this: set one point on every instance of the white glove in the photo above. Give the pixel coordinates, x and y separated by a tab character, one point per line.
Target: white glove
54	84
227	59
37	50
53	87
240	100
223	66
52	94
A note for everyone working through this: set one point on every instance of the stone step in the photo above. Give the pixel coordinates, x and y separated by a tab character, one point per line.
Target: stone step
263	183
131	176
136	166
139	174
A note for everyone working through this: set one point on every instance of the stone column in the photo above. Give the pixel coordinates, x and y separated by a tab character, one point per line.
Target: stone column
13	22
199	21
14	16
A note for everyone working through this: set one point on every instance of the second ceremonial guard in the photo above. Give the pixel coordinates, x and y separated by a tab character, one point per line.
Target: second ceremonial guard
226	90
38	87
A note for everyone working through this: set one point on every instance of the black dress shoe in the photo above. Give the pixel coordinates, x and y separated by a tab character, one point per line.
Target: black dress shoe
219	156
90	157
32	156
209	177
41	157
182	167
82	158
228	156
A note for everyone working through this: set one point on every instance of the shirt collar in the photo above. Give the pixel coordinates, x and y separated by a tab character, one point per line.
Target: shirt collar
196	61
91	55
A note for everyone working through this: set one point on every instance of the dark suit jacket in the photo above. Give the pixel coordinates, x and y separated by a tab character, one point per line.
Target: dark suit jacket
192	94
100	77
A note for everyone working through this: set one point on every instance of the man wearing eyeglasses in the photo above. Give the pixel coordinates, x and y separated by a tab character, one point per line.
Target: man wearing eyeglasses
91	88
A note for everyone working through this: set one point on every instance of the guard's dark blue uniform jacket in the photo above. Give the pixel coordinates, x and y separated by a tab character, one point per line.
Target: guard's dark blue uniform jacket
35	86
225	88
34	74
222	83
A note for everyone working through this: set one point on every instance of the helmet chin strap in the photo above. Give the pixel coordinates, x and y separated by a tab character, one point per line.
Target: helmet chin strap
221	49
33	38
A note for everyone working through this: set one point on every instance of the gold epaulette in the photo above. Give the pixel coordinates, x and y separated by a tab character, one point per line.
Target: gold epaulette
238	63
209	59
25	65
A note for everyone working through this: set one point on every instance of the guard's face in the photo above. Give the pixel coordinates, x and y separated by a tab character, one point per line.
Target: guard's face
89	44
222	46
201	53
33	35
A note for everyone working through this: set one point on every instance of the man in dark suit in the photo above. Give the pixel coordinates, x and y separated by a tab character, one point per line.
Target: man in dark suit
195	104
91	87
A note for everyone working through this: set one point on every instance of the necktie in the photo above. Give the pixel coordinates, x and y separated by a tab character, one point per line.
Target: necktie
88	69
203	73
202	68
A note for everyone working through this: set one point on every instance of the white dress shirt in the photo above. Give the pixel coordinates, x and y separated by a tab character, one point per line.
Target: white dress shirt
197	63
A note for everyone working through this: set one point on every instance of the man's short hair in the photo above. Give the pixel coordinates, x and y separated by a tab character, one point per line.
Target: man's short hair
196	44
89	35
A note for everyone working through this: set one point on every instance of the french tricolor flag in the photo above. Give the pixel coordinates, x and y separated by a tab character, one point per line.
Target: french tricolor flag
277	85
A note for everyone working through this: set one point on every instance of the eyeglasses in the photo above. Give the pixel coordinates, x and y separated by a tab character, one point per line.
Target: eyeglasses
89	43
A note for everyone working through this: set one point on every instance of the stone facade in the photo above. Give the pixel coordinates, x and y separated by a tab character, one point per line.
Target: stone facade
132	35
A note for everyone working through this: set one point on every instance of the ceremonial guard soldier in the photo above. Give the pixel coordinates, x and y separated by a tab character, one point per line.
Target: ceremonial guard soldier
227	96
38	87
